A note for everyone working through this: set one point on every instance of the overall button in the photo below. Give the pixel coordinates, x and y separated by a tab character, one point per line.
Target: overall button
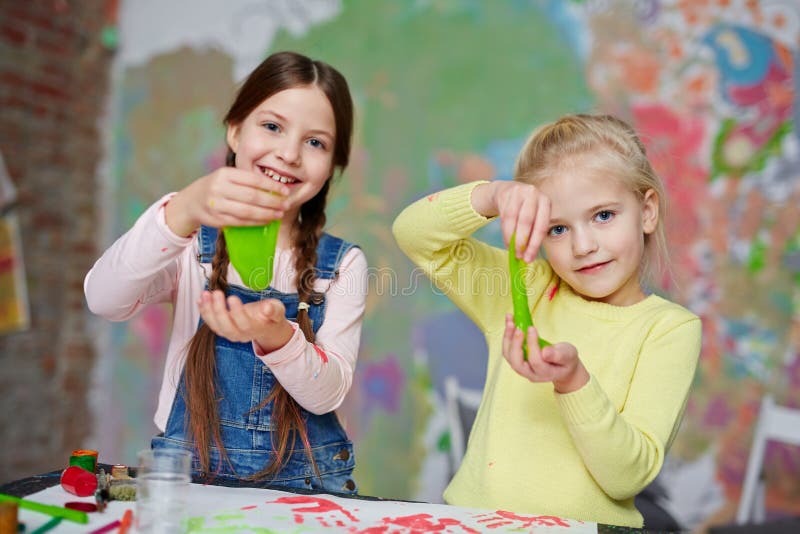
350	485
343	454
307	481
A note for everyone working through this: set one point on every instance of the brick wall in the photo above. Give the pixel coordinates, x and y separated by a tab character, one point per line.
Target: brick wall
54	77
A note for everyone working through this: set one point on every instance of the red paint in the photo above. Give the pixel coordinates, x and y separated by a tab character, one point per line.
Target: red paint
321	353
6	264
432	197
501	518
317	506
163	249
552	293
251	507
419	524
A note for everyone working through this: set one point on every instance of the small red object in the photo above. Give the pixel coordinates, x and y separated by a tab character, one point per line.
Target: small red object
81	506
78	481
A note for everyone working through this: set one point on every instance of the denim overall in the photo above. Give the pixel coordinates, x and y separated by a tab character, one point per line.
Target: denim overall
243	381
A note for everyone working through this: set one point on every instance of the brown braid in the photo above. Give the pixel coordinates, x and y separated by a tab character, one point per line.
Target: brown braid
285	410
200	372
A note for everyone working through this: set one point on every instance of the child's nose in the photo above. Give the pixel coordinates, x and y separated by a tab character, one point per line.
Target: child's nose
289	151
583	242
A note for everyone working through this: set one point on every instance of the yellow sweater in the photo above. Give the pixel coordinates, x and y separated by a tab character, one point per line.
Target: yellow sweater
582	455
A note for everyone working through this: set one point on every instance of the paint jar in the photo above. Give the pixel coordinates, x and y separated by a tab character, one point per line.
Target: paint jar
162	489
8	516
78	481
85	458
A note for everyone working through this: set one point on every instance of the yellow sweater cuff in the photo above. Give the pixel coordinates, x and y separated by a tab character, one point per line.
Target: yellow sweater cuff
457	205
585	405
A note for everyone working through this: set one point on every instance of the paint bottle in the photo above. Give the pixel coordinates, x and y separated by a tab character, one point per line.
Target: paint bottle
85	458
78	481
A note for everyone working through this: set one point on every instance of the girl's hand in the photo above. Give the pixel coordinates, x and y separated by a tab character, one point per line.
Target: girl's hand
263	321
522	209
557	363
227	197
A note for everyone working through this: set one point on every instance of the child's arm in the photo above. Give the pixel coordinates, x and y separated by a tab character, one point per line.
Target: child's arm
625	451
317	375
140	268
434	232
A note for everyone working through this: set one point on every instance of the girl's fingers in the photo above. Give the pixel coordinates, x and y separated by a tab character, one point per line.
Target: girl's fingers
525	221
538	366
234	197
512	350
508	333
540	227
508	222
239	317
277	311
219	318
229	211
264	312
254	180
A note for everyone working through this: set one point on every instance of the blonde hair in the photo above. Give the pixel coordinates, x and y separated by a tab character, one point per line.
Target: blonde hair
602	142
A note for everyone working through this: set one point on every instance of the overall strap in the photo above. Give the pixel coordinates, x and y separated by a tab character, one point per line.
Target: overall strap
206	243
330	252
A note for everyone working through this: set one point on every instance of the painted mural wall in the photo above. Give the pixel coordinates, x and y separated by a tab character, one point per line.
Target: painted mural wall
446	92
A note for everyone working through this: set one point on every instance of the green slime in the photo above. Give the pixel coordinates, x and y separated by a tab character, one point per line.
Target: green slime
251	250
519	296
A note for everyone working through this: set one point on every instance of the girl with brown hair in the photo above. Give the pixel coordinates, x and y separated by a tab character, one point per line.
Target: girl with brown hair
253	377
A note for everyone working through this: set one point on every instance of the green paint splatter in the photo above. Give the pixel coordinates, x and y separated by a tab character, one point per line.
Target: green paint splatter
758	256
443	444
195	523
771	148
109	36
228	516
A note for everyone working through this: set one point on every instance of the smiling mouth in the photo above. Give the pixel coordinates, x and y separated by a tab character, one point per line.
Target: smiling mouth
269	173
590	269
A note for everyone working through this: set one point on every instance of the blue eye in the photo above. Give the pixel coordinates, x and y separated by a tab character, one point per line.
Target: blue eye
316	143
271	126
604	215
557	230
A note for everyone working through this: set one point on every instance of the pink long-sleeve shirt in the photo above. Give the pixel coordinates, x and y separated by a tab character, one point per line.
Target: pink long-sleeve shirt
151	264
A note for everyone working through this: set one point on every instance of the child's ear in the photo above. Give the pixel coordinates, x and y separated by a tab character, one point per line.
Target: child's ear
232	136
650	211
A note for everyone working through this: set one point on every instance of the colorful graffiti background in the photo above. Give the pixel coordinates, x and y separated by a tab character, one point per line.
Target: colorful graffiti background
446	92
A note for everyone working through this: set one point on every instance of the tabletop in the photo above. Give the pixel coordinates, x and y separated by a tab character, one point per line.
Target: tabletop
219	509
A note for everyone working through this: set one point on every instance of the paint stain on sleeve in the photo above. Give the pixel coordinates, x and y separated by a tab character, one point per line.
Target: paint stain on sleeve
552	292
321	353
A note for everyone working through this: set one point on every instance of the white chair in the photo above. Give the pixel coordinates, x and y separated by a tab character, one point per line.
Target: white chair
462	407
774	423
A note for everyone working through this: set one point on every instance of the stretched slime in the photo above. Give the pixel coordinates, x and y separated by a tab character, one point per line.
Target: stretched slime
519	296
252	252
